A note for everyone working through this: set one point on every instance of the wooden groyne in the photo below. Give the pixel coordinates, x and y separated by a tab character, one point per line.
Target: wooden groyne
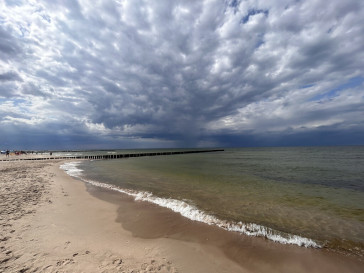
114	156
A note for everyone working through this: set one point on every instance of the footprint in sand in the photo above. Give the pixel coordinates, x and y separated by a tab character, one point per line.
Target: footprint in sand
65	262
154	266
67	244
117	262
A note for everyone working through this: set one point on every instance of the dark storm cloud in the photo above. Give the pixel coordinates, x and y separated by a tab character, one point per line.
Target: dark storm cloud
8	45
9	76
183	72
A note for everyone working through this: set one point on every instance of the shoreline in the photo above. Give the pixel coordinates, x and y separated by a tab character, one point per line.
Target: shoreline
70	230
75	227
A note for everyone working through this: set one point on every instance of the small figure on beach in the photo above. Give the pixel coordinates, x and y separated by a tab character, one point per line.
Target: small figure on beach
7	153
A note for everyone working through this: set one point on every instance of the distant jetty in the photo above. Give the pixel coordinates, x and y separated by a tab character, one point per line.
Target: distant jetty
112	156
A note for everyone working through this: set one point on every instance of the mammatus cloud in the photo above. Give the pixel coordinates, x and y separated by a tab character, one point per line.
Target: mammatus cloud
181	73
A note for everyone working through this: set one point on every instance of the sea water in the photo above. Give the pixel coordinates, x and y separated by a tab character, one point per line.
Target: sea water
308	196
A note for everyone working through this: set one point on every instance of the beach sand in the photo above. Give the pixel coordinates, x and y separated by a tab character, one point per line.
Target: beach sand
50	222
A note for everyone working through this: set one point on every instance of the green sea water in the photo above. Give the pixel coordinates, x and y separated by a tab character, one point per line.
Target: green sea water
313	192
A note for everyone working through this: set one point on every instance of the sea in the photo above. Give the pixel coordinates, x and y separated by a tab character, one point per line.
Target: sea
306	196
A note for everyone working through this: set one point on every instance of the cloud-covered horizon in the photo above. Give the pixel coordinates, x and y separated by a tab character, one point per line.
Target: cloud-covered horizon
92	74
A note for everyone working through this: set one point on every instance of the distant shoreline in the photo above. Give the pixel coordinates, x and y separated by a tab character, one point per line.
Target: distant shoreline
102	156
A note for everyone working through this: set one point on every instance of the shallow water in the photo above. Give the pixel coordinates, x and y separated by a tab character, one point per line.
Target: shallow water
316	193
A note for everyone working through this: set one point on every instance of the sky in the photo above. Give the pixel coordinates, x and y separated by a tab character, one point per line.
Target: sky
92	74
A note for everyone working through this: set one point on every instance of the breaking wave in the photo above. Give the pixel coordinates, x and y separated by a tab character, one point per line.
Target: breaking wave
191	212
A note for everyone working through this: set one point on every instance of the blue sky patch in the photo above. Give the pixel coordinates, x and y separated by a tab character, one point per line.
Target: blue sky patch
252	12
353	82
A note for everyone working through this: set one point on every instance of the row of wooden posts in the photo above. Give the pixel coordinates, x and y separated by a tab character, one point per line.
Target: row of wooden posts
115	156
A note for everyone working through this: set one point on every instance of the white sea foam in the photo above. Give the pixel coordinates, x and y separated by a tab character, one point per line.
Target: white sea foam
191	212
71	168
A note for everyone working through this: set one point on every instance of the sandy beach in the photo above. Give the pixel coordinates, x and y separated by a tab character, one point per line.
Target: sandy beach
51	222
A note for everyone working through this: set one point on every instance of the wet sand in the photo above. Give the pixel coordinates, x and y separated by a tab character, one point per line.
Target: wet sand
252	254
53	223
